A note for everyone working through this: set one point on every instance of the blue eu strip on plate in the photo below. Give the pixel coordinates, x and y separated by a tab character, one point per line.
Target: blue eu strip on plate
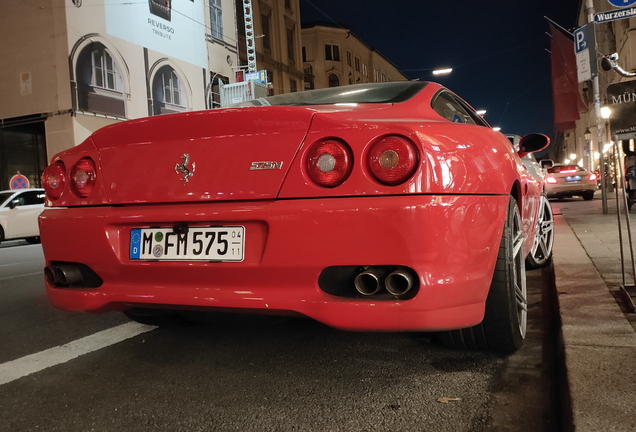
135	243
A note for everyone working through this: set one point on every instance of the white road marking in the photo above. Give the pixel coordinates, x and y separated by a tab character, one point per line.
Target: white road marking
16	369
22	275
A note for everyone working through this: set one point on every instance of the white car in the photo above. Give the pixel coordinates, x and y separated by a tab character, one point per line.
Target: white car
19	211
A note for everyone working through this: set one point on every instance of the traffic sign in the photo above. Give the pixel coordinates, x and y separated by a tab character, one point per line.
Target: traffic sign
19	181
621	3
614	15
585	49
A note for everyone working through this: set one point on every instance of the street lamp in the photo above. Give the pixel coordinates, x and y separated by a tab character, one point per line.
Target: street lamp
587	134
481	112
445	71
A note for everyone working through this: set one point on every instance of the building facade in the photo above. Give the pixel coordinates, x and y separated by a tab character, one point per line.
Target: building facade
333	56
276	24
613	36
70	67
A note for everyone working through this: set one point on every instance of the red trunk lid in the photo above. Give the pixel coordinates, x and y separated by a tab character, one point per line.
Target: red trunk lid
232	154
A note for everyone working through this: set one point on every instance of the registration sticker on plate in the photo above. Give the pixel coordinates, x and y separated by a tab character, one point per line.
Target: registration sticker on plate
197	244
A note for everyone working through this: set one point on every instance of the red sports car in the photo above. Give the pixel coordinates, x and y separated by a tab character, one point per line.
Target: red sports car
388	207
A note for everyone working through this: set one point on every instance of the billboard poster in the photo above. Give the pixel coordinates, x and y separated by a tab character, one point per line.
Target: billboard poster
622	101
175	28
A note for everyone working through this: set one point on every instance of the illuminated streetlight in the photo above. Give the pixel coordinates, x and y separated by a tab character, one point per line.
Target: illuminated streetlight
606	112
481	112
445	71
573	156
587	134
496	128
567	161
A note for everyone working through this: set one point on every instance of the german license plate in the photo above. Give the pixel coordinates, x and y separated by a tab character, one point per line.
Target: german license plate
573	178
198	244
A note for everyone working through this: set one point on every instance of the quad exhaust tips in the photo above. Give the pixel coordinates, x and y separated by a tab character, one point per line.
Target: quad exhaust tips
65	274
372	280
61	274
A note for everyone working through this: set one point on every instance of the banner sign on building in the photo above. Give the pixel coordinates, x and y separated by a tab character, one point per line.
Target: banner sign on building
175	28
622	101
585	49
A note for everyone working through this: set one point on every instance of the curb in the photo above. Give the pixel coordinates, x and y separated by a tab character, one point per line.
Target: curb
597	343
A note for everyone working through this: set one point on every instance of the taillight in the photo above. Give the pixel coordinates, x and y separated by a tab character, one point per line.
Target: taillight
393	160
593	177
329	162
550	180
83	177
53	179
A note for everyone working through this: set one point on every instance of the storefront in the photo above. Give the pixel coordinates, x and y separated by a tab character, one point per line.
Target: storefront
22	150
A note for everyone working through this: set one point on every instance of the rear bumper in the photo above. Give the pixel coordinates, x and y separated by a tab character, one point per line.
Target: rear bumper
451	242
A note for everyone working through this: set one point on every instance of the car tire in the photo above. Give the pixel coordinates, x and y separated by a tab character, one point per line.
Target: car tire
1	235
504	326
33	240
587	196
541	251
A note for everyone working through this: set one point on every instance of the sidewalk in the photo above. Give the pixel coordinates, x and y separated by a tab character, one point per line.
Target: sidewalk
598	340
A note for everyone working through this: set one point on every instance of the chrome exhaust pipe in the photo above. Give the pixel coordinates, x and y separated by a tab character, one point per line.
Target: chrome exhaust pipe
68	274
399	282
369	282
49	274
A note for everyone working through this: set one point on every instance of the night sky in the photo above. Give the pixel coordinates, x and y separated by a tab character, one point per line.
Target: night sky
497	48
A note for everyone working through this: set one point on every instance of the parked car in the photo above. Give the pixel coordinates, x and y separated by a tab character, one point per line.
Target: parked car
375	207
569	180
19	211
541	251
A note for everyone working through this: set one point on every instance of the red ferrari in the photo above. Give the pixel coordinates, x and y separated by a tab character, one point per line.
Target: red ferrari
375	207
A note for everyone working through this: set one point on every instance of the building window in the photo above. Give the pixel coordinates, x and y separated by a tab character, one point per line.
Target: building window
365	70
332	52
292	86
290	44
357	62
265	31
333	80
216	19
348	58
304	55
104	74
99	82
169	95
376	75
288	4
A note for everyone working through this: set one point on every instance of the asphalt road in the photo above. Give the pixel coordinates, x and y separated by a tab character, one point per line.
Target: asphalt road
238	373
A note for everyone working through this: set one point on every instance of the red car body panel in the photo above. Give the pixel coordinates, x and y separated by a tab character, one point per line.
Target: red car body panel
445	222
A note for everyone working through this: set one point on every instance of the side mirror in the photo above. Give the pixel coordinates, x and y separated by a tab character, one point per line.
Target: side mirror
532	143
13	204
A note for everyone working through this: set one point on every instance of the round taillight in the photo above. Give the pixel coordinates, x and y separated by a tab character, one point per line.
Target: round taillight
83	177
393	160
551	180
329	162
53	179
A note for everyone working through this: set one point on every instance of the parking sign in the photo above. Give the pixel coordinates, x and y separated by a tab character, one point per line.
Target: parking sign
585	49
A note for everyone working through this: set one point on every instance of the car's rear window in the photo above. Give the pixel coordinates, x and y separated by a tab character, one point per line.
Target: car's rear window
393	92
564	168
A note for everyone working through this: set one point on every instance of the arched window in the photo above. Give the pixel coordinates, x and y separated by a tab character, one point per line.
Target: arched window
333	80
100	83
168	92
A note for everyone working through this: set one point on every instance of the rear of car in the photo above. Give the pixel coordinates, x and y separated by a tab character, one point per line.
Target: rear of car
279	209
569	180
